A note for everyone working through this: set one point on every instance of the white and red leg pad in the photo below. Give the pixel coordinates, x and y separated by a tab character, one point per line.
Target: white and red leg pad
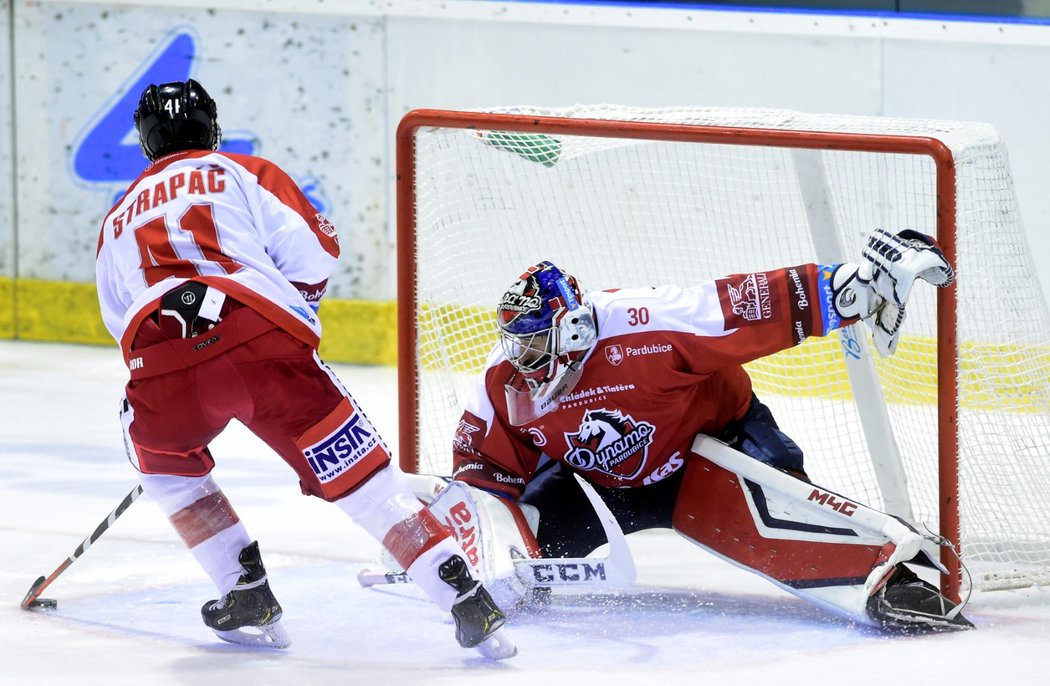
815	544
493	532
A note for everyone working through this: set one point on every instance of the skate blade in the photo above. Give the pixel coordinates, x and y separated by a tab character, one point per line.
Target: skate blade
920	623
268	636
498	646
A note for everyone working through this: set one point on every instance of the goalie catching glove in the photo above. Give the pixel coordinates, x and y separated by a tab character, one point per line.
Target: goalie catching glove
877	289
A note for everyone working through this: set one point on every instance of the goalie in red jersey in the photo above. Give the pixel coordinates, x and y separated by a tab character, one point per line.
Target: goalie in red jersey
642	393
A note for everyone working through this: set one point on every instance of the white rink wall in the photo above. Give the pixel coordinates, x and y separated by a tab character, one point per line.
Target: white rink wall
319	86
297	88
7	222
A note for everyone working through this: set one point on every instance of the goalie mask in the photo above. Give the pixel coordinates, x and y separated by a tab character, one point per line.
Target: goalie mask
546	327
176	116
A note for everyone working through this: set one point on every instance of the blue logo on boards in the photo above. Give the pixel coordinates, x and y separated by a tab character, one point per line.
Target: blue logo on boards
107	152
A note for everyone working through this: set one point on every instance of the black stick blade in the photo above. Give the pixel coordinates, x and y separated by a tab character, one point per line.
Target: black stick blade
30	601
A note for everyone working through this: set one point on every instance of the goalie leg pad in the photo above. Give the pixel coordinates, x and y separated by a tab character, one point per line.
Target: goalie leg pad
492	532
815	544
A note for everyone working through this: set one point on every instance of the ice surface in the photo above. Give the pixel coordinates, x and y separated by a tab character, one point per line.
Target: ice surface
128	610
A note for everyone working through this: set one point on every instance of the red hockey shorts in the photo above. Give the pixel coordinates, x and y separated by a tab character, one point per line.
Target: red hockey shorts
260	375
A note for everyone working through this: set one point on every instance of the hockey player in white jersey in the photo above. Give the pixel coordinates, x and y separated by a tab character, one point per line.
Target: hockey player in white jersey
641	392
209	274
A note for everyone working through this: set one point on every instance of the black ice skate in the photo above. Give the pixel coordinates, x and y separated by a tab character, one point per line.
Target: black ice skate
908	603
249	614
478	619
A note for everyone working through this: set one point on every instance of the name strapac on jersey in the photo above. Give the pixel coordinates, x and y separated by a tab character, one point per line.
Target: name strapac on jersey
340	450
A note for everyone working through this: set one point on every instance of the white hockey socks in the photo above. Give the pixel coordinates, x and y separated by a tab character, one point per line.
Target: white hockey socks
206	522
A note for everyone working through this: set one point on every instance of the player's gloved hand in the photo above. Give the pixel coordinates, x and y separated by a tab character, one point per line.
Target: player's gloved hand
877	289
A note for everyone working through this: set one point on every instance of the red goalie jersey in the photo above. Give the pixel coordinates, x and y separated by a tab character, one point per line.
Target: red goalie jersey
666	365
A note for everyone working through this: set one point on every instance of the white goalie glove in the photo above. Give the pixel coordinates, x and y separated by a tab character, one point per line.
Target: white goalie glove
877	289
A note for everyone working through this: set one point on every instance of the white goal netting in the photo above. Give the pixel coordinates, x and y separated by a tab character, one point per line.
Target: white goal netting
634	211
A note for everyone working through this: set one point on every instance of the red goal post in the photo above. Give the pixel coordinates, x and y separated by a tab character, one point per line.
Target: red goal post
418	317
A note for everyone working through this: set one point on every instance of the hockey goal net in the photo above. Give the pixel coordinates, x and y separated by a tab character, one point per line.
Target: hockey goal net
953	432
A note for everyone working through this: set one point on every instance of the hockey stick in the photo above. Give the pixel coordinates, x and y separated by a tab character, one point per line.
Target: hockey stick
616	569
33	599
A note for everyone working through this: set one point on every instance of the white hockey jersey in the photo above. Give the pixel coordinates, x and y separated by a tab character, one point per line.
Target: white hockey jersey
666	365
235	222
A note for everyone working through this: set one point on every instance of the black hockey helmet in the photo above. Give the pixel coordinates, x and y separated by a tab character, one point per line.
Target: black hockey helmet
176	116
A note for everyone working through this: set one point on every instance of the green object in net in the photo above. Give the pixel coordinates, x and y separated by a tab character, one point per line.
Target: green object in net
534	147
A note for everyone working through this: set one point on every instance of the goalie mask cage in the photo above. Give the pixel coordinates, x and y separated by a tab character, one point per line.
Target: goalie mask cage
951	433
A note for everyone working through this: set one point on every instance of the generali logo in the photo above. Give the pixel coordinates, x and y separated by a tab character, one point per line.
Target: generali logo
750	299
325	226
746	300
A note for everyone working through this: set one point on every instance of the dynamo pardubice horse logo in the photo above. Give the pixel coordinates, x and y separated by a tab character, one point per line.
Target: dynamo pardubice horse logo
610	442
